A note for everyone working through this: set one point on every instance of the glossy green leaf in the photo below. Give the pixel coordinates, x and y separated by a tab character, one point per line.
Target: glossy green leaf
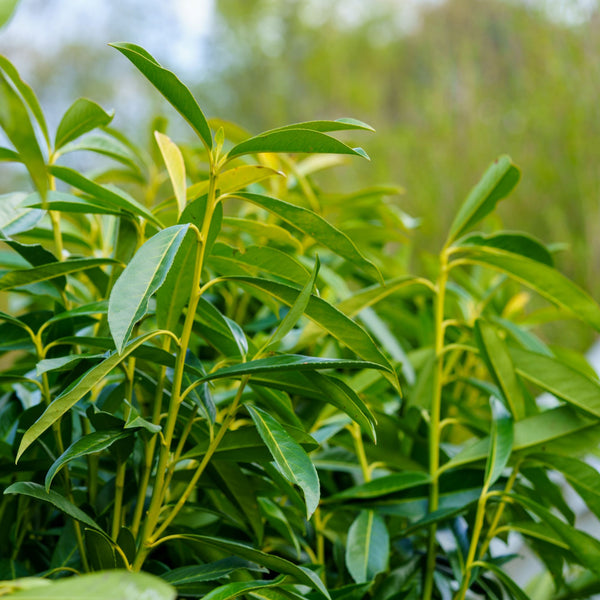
114	198
53	270
515	590
517	243
274	563
27	94
8	155
76	391
293	140
289	456
382	486
501	442
175	167
496	183
559	379
233	590
316	227
235	179
170	87
61	363
142	277
539	531
88	444
500	366
368	547
93	308
277	519
343	124
82	116
60	201
288	362
185	576
37	491
114	584
14	120
545	280
261	231
329	318
15	217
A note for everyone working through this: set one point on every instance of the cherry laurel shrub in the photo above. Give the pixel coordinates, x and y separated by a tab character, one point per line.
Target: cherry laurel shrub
220	381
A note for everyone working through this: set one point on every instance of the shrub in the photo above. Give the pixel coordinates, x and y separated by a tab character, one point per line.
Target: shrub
203	360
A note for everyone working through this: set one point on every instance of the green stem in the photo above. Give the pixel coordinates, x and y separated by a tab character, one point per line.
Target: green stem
434	422
360	451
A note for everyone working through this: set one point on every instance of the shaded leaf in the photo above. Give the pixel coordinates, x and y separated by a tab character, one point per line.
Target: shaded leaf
501	442
382	486
517	243
368	547
82	116
233	590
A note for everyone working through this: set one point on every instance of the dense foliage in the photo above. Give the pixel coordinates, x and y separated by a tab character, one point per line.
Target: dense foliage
223	376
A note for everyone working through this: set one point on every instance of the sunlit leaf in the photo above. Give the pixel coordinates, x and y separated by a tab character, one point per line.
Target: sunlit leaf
82	116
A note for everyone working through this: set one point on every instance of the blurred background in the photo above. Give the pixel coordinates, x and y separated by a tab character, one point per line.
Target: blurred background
447	84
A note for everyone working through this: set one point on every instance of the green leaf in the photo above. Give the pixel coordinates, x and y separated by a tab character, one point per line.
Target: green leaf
382	486
288	362
68	203
277	519
545	280
517	243
175	167
316	227
14	119
27	94
289	456
559	379
88	444
53	270
114	584
343	124
293	140
62	363
368	547
170	87
14	216
494	353
195	213
510	585
496	183
7	8
274	563
76	391
501	442
37	491
233	590
329	318
114	198
142	277
82	116
185	576
235	179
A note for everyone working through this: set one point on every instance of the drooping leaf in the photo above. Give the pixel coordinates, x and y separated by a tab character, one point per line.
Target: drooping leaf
88	444
382	486
499	364
76	391
116	199
37	491
175	167
82	116
316	227
559	379
368	547
343	124
114	584
501	442
545	280
170	87
20	277
517	243
185	576
61	363
293	140
15	217
275	563
14	120
496	183
289	456
142	277
510	584
233	590
60	201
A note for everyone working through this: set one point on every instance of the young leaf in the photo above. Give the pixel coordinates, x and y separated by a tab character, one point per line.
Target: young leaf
316	227
76	391
37	491
146	272
559	379
289	456
14	119
368	547
82	116
501	443
88	444
499	364
114	198
543	279
496	183
175	167
293	140
235	179
170	87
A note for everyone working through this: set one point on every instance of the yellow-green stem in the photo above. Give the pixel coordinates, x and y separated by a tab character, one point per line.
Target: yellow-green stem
434	422
360	451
